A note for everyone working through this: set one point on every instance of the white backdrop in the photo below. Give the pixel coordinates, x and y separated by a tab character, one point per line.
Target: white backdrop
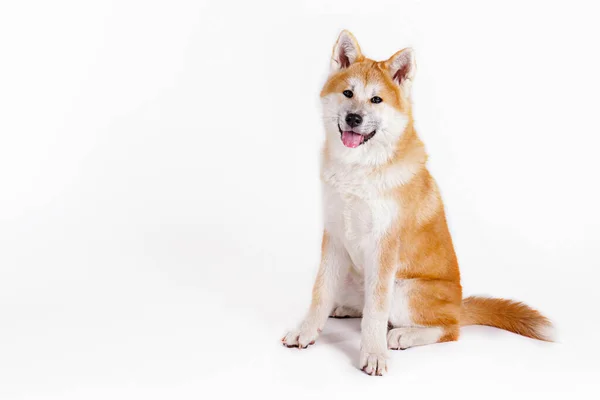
160	208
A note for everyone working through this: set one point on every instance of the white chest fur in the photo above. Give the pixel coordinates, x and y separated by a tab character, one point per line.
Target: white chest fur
357	213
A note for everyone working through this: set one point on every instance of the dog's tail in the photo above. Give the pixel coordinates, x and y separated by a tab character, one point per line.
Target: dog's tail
505	314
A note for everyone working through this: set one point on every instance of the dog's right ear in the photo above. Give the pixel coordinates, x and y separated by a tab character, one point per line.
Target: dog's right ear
345	52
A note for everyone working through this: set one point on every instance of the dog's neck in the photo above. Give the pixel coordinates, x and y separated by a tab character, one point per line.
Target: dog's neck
407	160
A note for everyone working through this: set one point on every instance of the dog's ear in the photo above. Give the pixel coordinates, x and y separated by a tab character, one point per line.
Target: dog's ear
402	68
345	52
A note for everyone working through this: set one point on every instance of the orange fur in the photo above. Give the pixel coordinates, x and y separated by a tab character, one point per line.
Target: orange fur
368	71
318	285
505	314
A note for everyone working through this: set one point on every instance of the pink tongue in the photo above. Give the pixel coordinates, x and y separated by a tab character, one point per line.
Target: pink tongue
351	139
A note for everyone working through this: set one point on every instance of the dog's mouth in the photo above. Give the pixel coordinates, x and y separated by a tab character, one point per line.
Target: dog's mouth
353	139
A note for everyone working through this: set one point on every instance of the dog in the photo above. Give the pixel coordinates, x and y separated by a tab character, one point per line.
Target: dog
387	255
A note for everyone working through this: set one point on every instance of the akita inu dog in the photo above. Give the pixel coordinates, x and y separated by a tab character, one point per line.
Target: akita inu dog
387	255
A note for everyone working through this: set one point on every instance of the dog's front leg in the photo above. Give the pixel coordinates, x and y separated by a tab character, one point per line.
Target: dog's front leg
335	262
379	280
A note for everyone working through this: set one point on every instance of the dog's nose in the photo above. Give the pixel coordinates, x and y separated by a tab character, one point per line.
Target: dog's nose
353	120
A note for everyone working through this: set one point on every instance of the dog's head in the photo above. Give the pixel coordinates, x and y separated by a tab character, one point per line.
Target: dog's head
366	103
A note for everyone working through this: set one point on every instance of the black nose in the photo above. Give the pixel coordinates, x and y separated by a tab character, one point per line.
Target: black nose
353	120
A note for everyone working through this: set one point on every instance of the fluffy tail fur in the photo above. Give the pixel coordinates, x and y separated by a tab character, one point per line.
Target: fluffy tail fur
510	315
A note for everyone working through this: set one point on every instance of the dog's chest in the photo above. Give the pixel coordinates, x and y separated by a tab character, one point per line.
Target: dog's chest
357	215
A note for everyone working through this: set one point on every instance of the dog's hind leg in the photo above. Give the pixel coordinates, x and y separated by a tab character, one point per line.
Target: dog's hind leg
424	312
403	338
350	300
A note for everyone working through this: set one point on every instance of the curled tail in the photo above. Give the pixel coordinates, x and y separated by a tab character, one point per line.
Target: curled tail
509	315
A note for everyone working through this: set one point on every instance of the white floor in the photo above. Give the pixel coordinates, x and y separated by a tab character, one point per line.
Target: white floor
178	311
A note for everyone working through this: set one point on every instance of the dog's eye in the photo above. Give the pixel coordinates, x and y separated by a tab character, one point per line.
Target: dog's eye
376	99
348	93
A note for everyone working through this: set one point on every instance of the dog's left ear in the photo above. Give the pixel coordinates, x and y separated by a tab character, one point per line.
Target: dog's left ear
402	68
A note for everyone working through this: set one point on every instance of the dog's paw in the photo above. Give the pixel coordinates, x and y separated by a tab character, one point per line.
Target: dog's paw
301	338
345	312
373	363
399	338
